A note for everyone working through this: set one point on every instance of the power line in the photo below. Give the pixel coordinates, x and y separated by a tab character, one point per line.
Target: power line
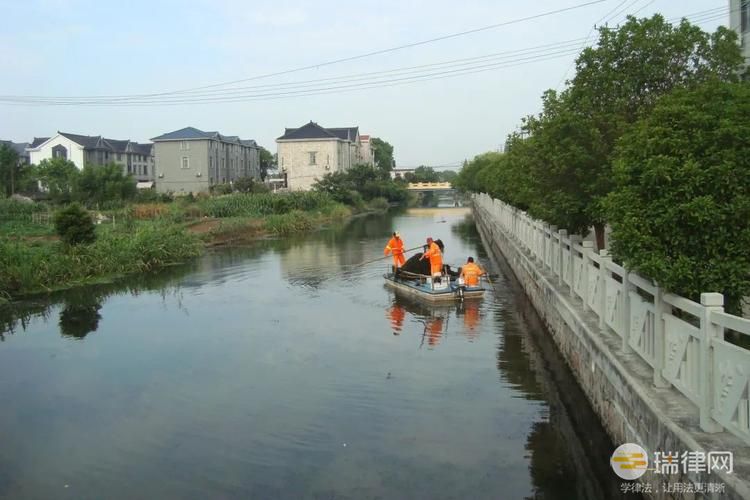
367	54
461	67
318	91
345	78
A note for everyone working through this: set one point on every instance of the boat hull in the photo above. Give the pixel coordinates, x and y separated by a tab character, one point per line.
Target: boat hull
424	292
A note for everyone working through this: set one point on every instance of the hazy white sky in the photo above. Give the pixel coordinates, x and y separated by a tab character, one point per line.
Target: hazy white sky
83	48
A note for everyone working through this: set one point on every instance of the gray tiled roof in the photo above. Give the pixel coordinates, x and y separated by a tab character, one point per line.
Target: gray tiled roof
142	149
87	141
184	133
117	146
346	133
314	131
37	141
188	133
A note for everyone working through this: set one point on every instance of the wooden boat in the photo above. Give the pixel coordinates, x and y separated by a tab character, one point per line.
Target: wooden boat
423	288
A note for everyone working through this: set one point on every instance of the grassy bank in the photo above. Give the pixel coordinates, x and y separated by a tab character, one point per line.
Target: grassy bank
148	236
28	267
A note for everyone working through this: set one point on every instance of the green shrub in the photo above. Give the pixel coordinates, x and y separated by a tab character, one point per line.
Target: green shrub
378	204
261	204
74	225
220	189
249	185
364	180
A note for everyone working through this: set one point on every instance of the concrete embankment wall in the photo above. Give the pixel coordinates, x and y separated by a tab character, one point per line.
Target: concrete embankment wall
617	383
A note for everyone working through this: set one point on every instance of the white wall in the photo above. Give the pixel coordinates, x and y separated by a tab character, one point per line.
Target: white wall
294	157
75	151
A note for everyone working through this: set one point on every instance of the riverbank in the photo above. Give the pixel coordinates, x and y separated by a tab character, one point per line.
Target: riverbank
141	238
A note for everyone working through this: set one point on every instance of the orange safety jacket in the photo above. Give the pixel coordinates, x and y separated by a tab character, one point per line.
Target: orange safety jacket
395	247
471	273
436	259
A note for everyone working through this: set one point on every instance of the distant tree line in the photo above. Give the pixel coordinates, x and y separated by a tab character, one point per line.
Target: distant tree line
650	138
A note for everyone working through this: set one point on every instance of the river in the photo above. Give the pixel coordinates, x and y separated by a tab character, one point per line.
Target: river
284	369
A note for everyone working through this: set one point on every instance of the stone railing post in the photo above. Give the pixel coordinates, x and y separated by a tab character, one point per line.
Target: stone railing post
562	236
660	307
552	235
574	240
604	257
588	248
709	331
627	287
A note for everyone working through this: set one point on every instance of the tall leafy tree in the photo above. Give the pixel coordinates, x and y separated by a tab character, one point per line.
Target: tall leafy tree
101	183
9	170
625	74
383	153
680	212
423	174
57	176
267	161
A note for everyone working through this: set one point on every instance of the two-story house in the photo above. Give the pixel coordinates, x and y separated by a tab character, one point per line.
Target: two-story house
307	153
134	158
190	160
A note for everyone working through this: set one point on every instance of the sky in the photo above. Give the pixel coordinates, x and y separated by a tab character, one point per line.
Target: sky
96	48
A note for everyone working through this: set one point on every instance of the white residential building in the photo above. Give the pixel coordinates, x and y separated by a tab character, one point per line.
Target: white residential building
307	153
134	158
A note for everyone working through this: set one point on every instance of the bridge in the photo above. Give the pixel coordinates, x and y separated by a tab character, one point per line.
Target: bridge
430	186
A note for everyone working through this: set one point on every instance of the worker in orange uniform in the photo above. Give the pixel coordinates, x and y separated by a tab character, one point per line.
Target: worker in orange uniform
436	258
471	272
395	247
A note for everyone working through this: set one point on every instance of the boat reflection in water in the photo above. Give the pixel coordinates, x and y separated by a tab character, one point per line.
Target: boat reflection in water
434	321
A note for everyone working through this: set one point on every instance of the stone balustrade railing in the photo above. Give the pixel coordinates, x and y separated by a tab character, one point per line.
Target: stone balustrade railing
681	340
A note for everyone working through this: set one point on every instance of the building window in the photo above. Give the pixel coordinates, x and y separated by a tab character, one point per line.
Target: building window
185	162
184	145
312	155
119	156
744	16
60	151
145	169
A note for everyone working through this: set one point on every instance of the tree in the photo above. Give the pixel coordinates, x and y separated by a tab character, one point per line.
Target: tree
101	183
74	225
361	182
423	174
680	212
623	76
58	177
267	161
383	153
561	159
447	175
9	169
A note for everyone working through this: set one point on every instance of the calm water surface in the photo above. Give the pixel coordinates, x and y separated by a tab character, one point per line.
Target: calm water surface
284	370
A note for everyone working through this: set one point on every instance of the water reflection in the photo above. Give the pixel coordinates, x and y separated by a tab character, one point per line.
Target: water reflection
435	319
396	315
79	307
79	318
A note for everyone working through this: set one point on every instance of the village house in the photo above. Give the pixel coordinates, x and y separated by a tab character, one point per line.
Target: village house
135	159
307	153
191	160
20	149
